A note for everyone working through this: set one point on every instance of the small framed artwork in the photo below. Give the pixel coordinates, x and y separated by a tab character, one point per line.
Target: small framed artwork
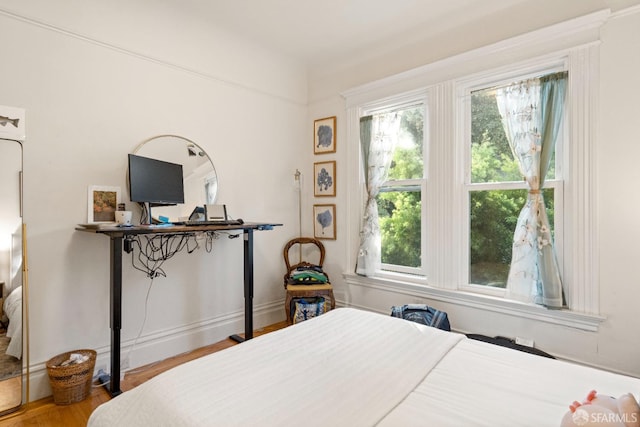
324	176
324	222
102	203
324	135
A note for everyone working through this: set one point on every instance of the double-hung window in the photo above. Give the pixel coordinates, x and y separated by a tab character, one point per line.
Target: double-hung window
495	189
400	196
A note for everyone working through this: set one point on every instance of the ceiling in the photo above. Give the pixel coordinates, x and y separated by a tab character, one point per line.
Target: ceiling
315	32
318	30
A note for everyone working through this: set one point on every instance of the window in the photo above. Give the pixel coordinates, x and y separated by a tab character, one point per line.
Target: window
496	190
400	196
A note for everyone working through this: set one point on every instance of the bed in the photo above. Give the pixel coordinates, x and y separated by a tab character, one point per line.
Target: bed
350	367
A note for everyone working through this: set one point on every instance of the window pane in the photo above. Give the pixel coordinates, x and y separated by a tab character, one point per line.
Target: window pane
407	159
491	157
494	215
399	213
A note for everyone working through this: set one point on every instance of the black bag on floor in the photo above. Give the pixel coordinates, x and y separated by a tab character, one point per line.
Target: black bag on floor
422	313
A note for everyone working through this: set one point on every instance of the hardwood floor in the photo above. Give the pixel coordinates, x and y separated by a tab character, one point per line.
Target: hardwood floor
45	413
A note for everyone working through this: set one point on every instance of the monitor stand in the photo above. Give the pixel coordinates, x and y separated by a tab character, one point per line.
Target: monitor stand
147	207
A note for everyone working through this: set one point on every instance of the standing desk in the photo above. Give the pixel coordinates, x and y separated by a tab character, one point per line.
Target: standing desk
118	234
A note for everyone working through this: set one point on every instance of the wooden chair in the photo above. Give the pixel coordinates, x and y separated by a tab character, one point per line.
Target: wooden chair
304	291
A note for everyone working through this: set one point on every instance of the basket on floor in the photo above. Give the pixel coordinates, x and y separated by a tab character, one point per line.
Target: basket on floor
71	383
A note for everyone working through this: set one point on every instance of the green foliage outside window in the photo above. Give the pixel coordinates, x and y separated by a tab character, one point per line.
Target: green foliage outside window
399	208
400	227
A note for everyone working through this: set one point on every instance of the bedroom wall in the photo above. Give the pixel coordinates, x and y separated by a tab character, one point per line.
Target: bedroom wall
614	346
96	79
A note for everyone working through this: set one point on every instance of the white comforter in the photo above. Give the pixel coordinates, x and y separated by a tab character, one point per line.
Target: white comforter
345	368
480	384
355	368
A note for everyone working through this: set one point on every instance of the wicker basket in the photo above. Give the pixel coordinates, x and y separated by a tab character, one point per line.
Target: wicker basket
71	383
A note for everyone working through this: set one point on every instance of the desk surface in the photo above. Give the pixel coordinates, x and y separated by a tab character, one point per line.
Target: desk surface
114	230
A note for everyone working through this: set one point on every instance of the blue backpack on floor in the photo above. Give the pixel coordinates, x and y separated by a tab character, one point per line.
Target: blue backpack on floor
421	313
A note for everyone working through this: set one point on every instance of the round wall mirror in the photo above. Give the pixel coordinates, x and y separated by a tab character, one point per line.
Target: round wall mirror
199	174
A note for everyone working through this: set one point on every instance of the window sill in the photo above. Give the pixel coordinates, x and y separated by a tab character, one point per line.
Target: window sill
568	318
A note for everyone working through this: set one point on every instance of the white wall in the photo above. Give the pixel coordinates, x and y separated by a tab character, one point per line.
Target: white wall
614	346
96	79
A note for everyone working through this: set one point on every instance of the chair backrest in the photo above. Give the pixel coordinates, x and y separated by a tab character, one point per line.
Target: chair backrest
304	243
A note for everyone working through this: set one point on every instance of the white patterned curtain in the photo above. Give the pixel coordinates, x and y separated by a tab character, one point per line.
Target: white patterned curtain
378	138
531	113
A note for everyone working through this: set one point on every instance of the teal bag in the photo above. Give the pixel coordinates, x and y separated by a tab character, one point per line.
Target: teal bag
307	308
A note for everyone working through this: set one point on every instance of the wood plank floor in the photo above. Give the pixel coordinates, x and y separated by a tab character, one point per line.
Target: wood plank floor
45	413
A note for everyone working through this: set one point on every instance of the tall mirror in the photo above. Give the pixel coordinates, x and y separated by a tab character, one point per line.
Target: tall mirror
199	174
11	276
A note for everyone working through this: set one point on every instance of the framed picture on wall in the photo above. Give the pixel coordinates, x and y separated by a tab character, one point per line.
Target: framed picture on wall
324	177
324	135
324	222
102	204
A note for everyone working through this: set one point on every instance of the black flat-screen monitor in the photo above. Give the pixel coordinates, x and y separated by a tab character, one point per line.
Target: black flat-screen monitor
155	182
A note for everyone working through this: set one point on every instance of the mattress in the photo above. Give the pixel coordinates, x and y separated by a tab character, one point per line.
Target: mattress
355	368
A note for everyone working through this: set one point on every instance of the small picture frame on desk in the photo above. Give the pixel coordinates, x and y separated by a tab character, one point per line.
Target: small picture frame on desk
102	204
324	222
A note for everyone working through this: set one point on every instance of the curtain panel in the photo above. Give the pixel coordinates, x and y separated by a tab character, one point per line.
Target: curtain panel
532	111
378	138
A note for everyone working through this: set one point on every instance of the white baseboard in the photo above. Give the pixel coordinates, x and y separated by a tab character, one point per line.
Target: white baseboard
161	345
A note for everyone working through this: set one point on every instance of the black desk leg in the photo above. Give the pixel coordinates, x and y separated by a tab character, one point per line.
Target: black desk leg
248	287
113	387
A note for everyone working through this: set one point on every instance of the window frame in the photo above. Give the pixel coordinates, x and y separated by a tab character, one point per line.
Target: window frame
405	101
496	78
577	41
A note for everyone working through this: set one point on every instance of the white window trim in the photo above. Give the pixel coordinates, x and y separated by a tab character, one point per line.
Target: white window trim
572	319
578	41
